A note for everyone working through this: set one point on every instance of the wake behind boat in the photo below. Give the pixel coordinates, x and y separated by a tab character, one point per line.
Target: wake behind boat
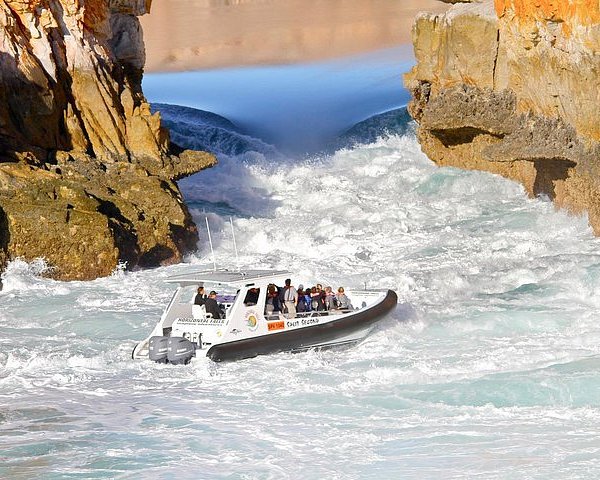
248	326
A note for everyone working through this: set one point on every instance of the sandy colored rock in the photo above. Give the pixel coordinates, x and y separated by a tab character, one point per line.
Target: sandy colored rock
511	88
87	172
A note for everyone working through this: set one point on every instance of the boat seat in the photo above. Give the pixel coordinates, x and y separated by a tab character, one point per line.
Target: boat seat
198	311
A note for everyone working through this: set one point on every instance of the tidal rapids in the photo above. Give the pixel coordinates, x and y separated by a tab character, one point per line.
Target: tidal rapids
488	368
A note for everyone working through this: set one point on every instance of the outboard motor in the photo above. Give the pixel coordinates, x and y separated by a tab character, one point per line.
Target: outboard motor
180	350
157	349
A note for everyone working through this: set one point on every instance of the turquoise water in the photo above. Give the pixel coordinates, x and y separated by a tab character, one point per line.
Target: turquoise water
488	367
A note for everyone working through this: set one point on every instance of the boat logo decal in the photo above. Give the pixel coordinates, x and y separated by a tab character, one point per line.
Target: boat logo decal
235	331
276	326
199	321
251	320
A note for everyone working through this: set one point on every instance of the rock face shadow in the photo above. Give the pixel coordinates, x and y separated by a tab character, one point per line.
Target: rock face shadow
549	171
453	137
4	239
29	117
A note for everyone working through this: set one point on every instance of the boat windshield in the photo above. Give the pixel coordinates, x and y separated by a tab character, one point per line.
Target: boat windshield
187	294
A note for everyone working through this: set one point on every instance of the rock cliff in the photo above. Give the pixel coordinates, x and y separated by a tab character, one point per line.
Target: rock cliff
513	87
87	173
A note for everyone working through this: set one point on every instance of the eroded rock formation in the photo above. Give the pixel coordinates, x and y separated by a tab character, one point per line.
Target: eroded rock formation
87	172
513	87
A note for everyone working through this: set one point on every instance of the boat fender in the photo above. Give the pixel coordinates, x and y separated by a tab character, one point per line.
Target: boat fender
180	350
157	349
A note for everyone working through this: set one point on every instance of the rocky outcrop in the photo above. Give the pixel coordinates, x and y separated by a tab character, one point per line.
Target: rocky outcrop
511	87
87	172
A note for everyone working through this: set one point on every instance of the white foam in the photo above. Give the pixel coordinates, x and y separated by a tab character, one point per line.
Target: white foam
495	340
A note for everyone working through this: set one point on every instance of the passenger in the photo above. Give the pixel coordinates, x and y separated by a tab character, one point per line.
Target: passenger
200	298
272	303
322	293
329	298
307	299
301	306
316	299
277	305
212	306
290	299
251	297
342	302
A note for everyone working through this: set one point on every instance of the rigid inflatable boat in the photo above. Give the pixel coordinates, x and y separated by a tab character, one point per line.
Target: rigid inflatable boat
247	328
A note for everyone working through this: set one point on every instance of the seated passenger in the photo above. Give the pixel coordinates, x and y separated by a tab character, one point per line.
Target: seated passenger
329	297
316	299
252	296
272	302
307	299
301	307
200	297
322	293
342	302
212	306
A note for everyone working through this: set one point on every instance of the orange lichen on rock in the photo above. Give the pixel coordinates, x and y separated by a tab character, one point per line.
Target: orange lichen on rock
571	12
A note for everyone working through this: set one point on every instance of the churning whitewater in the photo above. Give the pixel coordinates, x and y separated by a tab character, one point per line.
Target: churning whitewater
488	367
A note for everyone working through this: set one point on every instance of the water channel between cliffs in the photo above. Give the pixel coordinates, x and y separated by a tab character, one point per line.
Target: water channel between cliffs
488	367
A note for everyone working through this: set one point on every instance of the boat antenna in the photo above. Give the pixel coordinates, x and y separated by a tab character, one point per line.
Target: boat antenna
237	259
211	245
